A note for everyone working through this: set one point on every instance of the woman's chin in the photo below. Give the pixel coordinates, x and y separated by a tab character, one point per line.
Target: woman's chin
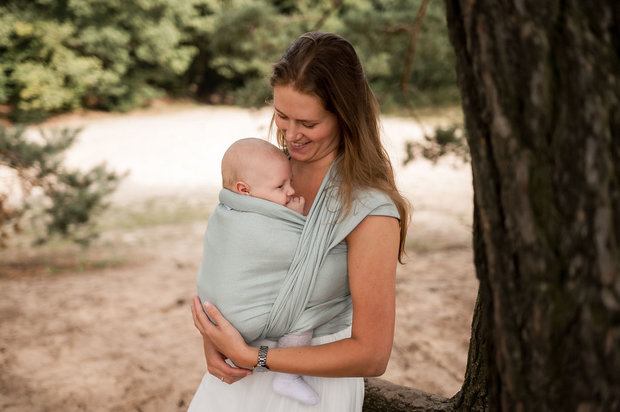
297	155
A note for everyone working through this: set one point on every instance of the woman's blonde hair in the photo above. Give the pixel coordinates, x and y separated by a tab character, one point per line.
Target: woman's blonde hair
327	66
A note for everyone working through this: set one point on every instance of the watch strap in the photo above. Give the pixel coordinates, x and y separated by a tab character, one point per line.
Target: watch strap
262	358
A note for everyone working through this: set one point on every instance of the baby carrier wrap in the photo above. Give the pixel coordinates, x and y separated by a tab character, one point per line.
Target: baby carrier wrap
261	260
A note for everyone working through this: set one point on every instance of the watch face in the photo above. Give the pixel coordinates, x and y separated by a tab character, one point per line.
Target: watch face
260	369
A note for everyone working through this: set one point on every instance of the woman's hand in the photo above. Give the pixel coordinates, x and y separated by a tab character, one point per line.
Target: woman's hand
227	336
217	366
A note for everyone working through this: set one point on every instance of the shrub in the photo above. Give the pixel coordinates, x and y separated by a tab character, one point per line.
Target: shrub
62	202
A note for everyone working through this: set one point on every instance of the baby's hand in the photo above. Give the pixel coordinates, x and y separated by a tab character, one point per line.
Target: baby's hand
297	204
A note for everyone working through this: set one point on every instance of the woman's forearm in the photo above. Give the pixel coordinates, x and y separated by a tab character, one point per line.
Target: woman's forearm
343	358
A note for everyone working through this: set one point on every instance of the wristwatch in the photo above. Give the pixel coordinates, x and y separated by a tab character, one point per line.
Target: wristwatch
261	365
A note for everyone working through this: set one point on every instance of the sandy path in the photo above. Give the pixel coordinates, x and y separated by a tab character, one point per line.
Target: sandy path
122	339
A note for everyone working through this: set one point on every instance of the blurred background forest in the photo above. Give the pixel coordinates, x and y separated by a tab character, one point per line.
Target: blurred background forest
159	89
113	55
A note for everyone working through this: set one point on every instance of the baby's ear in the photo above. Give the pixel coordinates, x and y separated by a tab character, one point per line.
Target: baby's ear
242	188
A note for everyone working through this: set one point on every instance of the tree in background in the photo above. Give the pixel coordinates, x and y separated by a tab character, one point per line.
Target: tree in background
236	50
540	86
62	202
383	31
103	54
112	55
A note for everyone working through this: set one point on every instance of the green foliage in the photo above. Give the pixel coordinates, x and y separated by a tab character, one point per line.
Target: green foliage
380	31
245	39
115	55
63	202
242	41
449	140
102	54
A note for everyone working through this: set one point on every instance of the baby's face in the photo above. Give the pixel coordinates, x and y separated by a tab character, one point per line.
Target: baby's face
273	181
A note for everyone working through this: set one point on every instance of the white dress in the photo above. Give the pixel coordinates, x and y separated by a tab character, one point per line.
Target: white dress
255	394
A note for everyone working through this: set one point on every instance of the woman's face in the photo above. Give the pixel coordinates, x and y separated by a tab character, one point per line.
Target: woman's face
311	132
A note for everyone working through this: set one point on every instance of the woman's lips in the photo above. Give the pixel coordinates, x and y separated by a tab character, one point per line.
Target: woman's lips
298	145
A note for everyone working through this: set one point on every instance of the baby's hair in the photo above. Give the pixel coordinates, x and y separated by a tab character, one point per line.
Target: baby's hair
241	153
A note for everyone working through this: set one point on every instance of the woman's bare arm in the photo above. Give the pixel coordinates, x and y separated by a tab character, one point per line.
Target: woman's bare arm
372	258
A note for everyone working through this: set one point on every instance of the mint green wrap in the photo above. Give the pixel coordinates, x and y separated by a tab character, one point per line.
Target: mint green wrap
272	271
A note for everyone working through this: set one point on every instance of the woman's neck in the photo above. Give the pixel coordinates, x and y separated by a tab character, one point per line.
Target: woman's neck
307	178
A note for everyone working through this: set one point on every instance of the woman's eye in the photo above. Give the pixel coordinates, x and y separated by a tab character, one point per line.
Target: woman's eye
309	126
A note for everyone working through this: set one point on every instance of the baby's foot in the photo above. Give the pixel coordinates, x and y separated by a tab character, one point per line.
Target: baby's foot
295	387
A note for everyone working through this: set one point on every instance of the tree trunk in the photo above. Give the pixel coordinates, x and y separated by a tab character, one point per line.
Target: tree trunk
540	87
540	83
480	374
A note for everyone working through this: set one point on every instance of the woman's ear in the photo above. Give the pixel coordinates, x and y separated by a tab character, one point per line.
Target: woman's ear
242	188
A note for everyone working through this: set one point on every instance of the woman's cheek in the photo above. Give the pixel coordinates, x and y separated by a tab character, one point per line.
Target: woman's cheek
280	125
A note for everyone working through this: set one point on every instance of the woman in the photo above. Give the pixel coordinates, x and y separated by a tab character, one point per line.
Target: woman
327	120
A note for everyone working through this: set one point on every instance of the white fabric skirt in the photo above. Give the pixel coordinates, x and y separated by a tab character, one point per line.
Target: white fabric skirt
255	394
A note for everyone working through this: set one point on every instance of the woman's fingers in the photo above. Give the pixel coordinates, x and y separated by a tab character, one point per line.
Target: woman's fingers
215	314
221	333
201	321
230	381
197	322
218	367
216	361
232	377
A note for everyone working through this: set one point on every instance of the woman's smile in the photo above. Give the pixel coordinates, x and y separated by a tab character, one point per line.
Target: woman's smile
298	144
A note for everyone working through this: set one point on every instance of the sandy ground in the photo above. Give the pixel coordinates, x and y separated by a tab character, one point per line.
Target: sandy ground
120	337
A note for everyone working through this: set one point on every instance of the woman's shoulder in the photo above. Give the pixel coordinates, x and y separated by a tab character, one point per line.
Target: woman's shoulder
374	202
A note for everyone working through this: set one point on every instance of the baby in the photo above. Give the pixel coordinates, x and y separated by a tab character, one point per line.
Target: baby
254	167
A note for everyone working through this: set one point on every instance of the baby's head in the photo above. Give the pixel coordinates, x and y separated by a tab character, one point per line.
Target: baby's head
255	167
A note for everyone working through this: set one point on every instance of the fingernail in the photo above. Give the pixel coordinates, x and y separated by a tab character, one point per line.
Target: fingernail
207	305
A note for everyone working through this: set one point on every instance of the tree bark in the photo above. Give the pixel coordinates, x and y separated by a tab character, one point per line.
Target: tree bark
540	88
480	373
381	395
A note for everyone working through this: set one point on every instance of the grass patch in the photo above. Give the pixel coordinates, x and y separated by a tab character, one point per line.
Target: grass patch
56	258
154	212
123	230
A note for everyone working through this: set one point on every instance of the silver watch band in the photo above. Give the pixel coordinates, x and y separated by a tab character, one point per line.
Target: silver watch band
261	364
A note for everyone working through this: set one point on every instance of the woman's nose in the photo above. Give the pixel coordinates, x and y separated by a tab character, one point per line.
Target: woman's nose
291	131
